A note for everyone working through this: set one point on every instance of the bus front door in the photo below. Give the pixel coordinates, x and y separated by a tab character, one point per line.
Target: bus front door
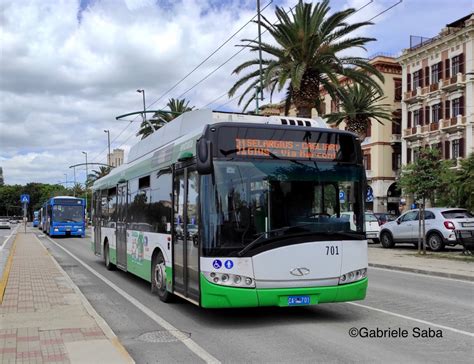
121	226
97	223
186	233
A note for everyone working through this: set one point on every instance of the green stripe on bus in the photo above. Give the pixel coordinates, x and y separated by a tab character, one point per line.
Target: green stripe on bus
216	296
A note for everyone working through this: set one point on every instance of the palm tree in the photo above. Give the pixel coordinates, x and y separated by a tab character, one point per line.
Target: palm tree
96	174
359	104
306	56
160	118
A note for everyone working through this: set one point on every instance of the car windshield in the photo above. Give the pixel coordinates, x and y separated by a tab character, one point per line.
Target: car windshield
245	201
456	214
370	218
65	213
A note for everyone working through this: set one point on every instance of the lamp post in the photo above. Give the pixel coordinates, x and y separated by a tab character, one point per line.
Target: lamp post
65	181
87	176
141	91
108	145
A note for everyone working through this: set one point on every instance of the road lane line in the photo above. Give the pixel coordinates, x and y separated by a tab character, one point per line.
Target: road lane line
467	333
192	345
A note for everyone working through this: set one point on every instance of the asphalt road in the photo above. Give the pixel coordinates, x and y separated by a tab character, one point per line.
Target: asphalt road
396	301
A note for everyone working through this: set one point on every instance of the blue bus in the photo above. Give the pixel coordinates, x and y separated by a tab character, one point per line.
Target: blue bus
36	218
65	216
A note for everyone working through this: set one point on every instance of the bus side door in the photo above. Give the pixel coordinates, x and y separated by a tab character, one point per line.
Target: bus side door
121	226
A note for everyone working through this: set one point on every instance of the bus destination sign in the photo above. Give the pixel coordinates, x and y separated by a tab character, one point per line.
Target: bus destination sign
286	149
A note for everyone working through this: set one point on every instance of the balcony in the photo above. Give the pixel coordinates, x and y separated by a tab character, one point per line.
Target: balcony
453	124
454	83
434	126
395	138
413	133
368	173
413	96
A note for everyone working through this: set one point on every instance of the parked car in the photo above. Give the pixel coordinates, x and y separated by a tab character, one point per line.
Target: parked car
5	224
441	225
372	227
384	217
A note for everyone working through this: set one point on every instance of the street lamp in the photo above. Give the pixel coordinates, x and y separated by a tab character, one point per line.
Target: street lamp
141	91
108	144
87	176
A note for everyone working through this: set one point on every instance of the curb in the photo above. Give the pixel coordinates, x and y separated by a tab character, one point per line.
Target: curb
8	266
90	310
424	272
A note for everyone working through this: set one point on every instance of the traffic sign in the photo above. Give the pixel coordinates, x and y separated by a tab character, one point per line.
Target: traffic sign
25	198
342	196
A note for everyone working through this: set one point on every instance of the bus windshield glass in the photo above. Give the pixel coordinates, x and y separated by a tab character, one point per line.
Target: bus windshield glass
263	200
68	213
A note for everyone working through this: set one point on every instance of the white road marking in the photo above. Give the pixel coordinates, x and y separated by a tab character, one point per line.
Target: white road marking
8	237
192	345
422	275
413	319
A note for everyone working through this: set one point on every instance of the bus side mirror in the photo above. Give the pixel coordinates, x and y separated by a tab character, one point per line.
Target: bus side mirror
204	156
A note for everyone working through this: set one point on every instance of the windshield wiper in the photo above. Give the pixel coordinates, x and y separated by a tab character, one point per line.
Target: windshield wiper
265	234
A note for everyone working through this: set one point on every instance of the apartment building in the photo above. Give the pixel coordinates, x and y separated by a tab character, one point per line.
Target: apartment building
438	92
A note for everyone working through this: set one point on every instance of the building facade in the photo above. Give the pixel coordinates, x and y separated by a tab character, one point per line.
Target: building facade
438	93
116	158
382	147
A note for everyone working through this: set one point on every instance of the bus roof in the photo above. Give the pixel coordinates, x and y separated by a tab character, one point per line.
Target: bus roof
180	136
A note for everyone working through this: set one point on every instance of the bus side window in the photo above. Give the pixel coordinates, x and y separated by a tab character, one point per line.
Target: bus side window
160	207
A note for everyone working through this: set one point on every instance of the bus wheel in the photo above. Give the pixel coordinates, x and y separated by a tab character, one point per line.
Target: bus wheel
158	278
108	264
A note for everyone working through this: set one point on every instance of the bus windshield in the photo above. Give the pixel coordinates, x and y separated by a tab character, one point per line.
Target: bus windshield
257	201
65	213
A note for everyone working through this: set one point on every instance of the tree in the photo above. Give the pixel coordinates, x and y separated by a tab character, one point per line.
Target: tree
422	179
96	174
359	104
160	118
465	182
307	55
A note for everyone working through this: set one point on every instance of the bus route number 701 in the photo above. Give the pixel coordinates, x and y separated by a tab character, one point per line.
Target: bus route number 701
332	250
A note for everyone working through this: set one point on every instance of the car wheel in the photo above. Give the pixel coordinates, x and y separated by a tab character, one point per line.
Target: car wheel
158	278
108	264
435	242
386	240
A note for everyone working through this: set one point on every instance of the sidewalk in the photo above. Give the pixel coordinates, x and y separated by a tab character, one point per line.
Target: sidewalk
406	259
44	318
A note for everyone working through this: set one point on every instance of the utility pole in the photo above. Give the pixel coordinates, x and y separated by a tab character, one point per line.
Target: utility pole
108	142
74	189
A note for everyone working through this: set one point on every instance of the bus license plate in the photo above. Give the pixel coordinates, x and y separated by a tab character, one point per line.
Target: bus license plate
298	300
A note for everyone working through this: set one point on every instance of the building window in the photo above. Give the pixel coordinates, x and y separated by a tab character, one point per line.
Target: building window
427	114
396	161
417	79
427	76
408	155
455	149
398	89
435	73
436	113
366	161
416	118
447	109
446	68
397	123
456	105
457	65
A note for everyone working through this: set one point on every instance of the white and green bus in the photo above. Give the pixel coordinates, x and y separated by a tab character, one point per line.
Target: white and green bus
233	210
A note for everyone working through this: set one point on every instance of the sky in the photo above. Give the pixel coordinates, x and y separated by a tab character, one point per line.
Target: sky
69	67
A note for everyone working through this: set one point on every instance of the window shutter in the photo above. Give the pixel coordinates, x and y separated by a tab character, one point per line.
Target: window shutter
440	70
446	68
446	110
409	82
369	166
461	105
409	119
420	116
427	114
408	155
441	110
461	147
420	78
446	149
461	63
427	76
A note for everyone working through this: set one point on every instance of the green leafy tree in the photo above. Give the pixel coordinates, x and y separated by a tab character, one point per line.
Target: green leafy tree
96	174
423	179
358	105
176	108
465	182
306	54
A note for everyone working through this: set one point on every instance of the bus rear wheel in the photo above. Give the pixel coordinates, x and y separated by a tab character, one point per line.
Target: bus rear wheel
158	278
108	264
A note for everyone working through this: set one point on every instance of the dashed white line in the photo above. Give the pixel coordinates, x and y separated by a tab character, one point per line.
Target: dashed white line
192	345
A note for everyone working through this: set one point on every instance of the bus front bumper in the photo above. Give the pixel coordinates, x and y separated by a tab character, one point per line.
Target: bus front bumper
217	296
61	231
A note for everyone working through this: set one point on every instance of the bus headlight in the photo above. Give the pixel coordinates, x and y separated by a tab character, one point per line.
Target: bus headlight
353	276
227	279
56	229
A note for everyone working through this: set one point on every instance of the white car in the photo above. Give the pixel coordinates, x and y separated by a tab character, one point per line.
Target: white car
5	224
441	225
372	227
